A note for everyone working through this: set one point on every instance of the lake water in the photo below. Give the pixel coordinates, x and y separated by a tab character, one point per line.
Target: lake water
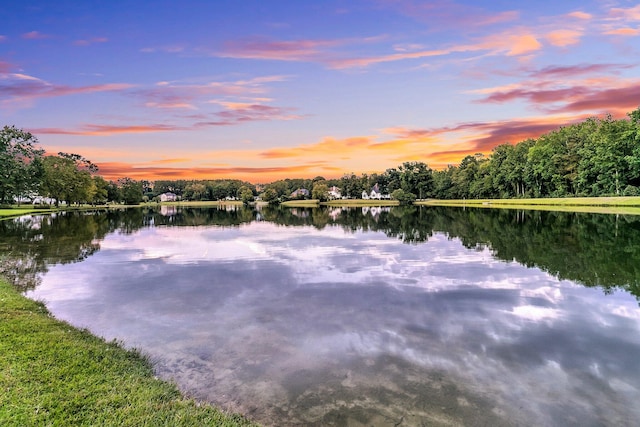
350	317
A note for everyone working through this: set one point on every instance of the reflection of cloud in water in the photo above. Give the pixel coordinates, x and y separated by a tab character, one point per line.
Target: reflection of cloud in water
311	325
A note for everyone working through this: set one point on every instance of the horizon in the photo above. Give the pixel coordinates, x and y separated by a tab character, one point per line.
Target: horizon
268	90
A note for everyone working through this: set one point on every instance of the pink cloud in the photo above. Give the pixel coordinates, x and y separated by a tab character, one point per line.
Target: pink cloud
576	70
248	113
625	14
295	50
580	15
515	42
626	31
447	14
88	42
20	87
617	101
35	35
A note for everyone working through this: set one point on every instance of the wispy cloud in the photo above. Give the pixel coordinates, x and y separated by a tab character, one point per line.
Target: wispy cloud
88	42
106	130
195	94
16	88
114	170
292	50
593	95
35	35
444	15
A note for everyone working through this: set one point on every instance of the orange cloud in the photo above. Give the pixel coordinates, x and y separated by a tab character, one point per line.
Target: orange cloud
115	170
625	14
564	38
580	15
626	31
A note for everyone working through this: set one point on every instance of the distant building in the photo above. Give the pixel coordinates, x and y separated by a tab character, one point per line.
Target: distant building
334	193
168	197
299	193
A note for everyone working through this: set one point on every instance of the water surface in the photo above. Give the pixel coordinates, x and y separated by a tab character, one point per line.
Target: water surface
342	317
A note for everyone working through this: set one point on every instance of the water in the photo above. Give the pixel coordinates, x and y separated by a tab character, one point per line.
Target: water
399	316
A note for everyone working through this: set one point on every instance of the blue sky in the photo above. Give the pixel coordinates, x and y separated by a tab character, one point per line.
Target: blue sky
261	90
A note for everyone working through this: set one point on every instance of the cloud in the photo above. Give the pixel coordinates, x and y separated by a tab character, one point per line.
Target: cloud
248	113
580	15
326	146
563	38
625	14
445	15
88	42
625	31
2	38
107	130
16	88
594	95
114	170
195	94
617	101
35	35
579	69
294	50
515	42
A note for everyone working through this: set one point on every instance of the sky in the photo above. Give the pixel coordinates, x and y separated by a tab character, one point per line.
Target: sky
261	90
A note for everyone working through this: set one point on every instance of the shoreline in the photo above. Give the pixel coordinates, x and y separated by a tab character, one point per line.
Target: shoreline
622	205
54	374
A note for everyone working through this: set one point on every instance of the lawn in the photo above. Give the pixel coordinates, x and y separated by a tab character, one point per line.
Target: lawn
611	205
54	374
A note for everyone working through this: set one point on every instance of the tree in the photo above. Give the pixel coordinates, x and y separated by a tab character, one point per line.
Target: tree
101	194
245	195
131	191
20	166
416	178
403	197
320	191
270	195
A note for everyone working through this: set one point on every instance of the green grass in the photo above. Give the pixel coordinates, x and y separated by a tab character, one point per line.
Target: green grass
613	205
13	212
361	202
54	374
302	203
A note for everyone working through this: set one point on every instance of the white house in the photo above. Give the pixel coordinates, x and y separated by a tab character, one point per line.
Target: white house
168	197
334	193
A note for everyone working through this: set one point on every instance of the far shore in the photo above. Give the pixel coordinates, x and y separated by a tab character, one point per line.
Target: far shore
607	205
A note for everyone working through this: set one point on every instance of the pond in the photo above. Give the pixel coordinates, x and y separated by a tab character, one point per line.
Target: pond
358	317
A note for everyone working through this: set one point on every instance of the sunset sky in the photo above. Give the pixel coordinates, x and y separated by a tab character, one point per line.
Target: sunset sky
267	89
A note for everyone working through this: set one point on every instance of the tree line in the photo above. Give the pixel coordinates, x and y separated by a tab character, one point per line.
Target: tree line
595	157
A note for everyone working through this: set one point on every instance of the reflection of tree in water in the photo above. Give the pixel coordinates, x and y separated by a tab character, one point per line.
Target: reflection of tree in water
591	249
30	244
594	250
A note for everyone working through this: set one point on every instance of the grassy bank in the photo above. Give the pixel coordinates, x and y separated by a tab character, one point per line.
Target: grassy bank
301	203
361	202
54	374
611	205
